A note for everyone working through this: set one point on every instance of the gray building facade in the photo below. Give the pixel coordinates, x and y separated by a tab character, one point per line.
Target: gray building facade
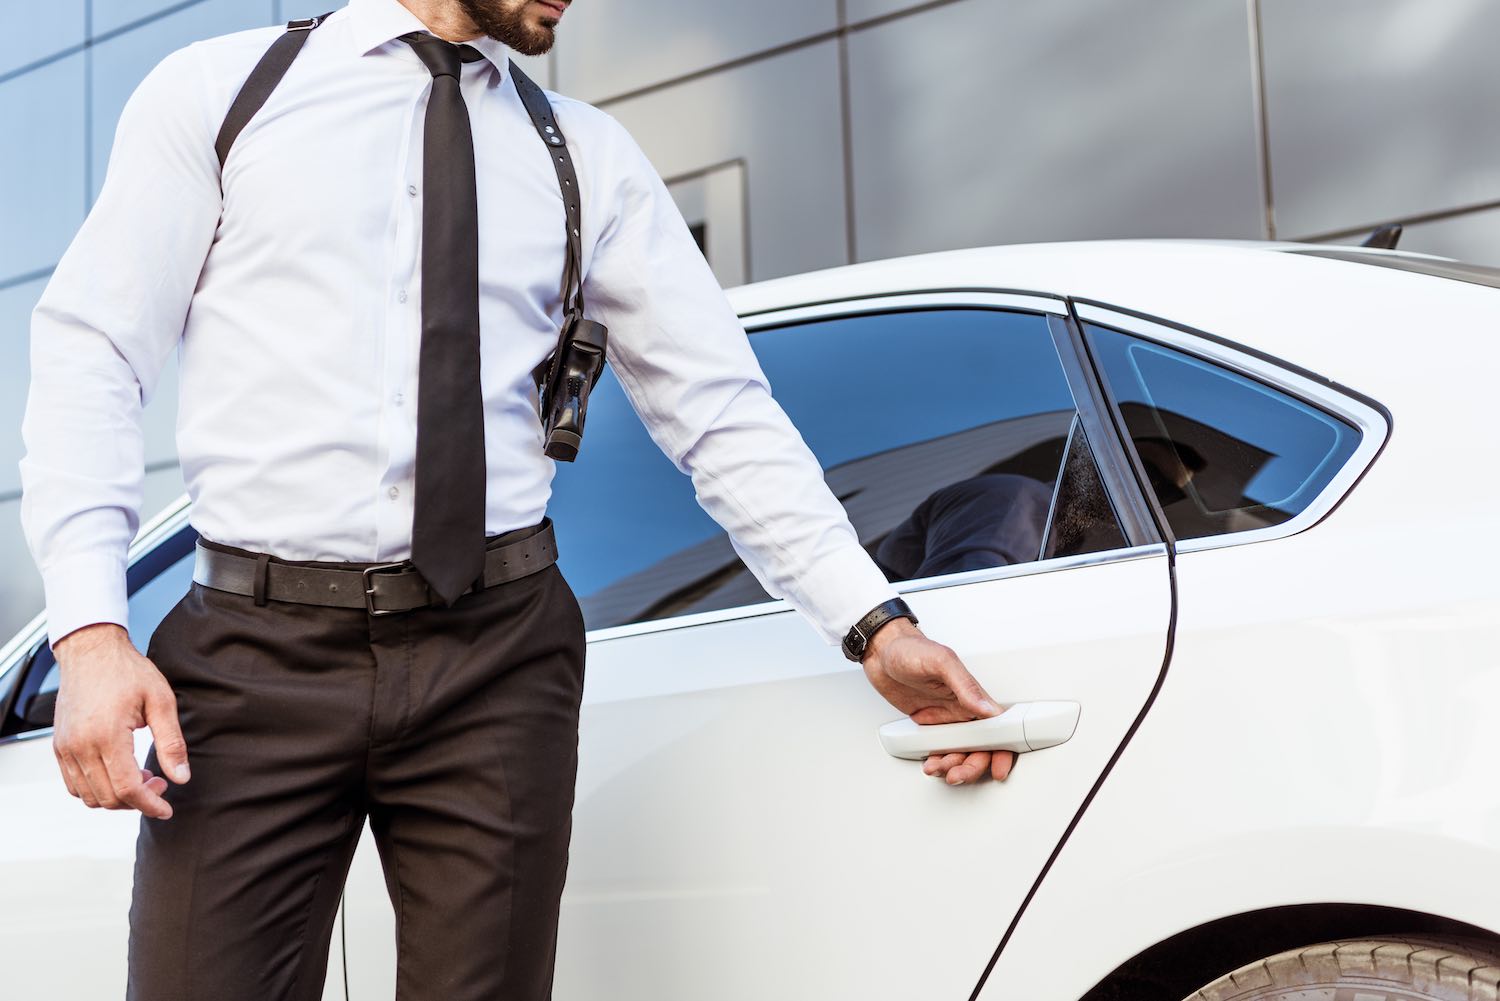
802	134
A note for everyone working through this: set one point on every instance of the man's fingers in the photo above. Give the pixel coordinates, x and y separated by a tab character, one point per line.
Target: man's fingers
942	762
970	768
946	712
166	732
73	779
94	782
125	781
969	692
959	767
64	765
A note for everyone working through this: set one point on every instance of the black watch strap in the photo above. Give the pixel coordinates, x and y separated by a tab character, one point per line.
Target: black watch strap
858	637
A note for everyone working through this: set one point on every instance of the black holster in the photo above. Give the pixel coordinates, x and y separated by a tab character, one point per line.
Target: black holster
563	393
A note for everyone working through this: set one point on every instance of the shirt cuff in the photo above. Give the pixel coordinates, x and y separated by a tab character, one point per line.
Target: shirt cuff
839	589
83	589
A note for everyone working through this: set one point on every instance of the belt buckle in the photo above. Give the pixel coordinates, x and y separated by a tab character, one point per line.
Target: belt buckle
386	568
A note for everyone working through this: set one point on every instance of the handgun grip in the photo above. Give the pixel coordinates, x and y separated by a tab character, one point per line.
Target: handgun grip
582	361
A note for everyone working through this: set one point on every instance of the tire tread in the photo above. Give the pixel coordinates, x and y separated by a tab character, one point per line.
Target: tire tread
1456	970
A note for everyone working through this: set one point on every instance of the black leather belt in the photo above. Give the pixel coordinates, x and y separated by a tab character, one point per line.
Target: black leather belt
379	588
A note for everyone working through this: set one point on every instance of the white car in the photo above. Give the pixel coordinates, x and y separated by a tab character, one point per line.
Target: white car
1236	503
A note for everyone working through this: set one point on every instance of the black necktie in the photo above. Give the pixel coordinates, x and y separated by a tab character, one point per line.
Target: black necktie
447	535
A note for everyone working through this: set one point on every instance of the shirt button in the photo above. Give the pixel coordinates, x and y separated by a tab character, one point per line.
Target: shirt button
394	492
401	296
411	189
398	399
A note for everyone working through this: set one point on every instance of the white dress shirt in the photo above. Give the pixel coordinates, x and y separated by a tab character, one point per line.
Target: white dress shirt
293	300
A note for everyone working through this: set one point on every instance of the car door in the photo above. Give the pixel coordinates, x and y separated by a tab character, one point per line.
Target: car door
739	831
65	870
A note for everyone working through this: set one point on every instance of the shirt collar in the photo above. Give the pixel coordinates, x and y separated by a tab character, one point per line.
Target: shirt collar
372	23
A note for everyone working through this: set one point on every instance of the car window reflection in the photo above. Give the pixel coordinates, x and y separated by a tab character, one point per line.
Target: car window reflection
941	431
1226	453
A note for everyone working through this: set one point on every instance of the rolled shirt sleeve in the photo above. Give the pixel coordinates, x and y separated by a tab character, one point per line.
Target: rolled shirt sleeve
111	314
686	366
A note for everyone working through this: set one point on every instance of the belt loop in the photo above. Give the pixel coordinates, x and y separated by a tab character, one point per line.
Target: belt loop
262	571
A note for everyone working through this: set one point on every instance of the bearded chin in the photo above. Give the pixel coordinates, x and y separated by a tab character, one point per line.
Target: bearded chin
505	22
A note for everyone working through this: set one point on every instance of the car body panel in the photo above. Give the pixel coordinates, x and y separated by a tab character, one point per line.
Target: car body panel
1358	768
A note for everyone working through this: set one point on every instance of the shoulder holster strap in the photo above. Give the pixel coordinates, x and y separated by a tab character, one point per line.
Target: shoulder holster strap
540	110
262	80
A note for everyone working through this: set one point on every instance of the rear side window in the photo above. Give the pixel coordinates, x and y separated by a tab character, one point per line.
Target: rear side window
949	435
1225	453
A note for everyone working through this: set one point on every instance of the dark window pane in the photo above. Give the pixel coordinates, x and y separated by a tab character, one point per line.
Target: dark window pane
154	599
941	431
1225	453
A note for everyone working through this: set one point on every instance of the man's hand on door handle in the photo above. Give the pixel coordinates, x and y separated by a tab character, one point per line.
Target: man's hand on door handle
927	681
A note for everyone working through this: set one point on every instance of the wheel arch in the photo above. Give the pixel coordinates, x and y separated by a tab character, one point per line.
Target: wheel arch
1175	967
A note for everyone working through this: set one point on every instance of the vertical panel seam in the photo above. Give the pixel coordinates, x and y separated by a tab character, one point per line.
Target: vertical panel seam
846	129
88	104
1262	126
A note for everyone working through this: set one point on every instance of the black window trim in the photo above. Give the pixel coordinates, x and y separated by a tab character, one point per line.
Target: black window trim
1368	416
1115	461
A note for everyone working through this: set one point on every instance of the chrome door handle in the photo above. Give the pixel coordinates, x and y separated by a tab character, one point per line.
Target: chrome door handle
1025	726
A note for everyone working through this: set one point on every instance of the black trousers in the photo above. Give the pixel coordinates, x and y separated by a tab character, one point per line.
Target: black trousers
453	730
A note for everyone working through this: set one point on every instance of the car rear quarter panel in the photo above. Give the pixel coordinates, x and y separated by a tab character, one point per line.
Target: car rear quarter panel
1326	729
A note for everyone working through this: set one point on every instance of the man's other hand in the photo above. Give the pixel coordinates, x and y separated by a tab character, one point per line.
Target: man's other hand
928	682
108	692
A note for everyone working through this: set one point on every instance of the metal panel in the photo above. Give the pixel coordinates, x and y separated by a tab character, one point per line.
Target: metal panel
38	30
122	62
110	15
606	49
781	117
713	204
15	374
980	123
1379	109
41	174
856	11
290	10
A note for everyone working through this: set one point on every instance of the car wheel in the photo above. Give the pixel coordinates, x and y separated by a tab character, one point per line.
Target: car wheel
1368	969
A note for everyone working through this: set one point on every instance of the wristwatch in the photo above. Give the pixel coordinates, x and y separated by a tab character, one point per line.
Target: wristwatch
857	640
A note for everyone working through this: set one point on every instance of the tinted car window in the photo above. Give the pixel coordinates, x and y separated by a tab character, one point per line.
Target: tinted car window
1225	452
941	431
